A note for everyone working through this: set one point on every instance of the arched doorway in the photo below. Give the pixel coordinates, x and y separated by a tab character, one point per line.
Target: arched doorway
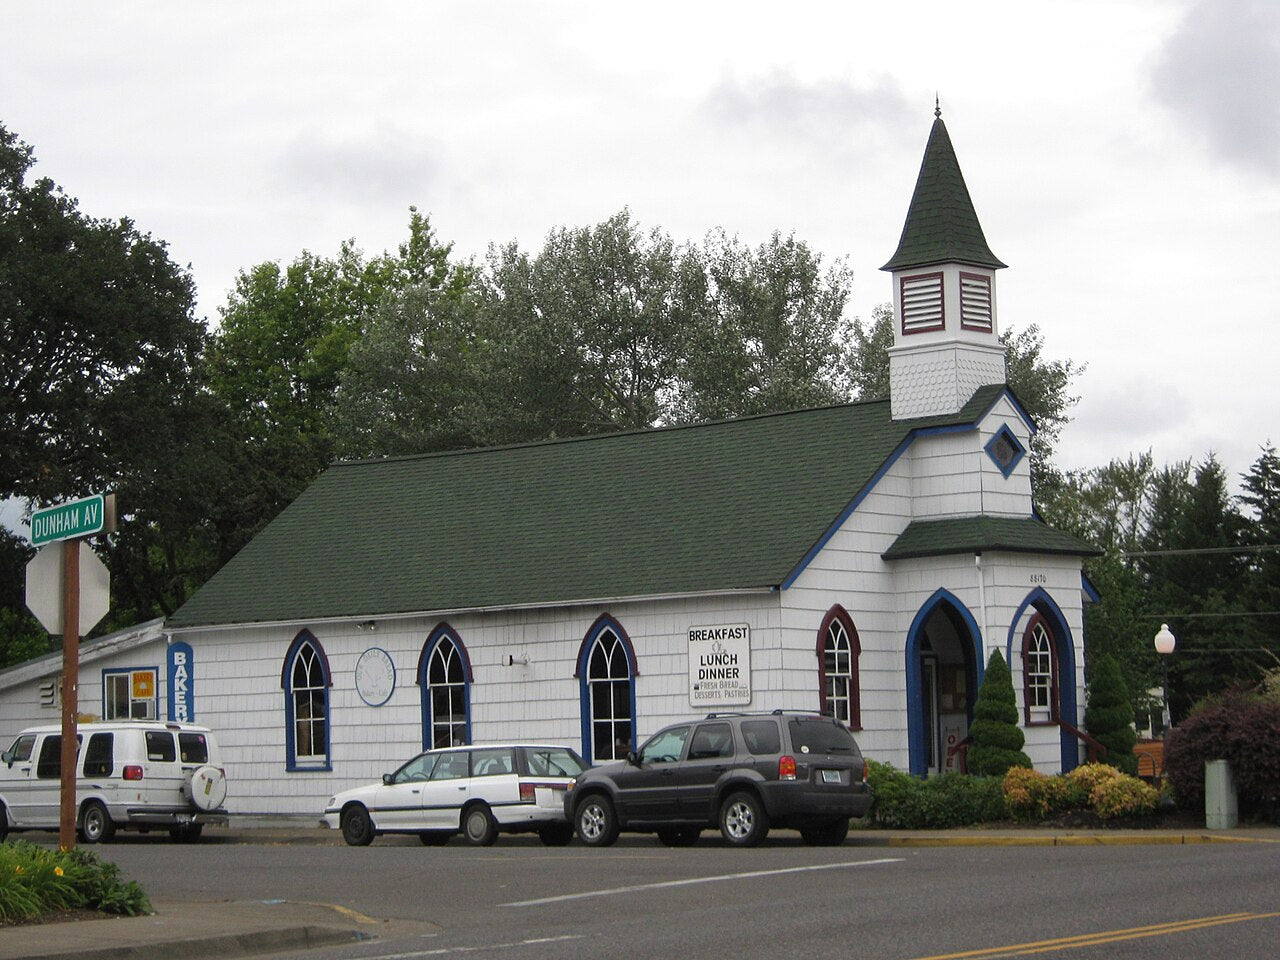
943	672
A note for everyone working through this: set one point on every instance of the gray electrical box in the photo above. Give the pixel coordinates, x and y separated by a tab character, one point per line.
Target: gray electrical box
1220	808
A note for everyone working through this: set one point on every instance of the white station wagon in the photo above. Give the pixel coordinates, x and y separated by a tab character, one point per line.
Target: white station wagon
476	790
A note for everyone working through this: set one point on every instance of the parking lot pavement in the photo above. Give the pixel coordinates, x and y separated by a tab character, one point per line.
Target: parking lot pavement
188	930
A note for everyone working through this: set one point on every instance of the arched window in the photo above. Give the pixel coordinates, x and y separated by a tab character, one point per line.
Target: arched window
605	670
838	651
306	681
1039	676
445	675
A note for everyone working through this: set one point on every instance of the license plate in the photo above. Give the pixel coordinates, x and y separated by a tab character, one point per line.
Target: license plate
830	776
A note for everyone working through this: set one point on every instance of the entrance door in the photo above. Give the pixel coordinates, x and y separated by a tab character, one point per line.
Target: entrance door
929	685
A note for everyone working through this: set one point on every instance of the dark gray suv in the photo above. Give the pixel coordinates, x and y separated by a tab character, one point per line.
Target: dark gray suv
741	772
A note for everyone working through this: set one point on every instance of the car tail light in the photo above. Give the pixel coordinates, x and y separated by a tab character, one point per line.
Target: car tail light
866	770
786	768
527	794
132	771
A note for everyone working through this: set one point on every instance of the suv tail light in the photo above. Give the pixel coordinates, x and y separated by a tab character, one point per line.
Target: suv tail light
786	768
133	771
526	793
866	770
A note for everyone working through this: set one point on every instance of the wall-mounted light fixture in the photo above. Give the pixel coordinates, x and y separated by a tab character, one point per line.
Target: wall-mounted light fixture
367	625
512	660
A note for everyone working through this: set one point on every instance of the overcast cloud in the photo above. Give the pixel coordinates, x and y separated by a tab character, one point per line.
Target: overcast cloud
1123	155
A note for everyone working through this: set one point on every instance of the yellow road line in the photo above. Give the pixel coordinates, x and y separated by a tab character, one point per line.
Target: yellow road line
1106	936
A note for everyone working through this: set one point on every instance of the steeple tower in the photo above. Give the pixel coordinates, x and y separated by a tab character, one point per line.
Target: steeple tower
945	340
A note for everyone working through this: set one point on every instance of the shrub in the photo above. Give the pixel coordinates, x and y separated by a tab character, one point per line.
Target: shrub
1123	796
1030	795
1108	715
905	802
997	739
1244	731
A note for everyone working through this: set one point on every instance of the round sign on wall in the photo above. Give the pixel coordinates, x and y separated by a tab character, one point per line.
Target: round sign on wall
375	676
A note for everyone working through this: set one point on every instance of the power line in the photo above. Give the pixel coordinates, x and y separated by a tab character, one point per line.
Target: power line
1258	548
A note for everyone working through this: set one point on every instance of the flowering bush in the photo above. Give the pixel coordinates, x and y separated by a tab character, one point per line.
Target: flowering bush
36	881
1123	796
1033	796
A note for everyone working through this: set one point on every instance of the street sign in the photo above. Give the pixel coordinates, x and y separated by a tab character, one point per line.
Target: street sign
79	518
44	588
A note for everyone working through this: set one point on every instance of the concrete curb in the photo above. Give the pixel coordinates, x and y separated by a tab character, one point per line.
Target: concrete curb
1073	840
251	944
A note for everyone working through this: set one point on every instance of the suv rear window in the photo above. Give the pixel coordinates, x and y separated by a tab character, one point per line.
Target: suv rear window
821	736
762	737
193	748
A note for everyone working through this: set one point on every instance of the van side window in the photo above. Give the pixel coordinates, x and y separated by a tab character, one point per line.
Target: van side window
21	749
193	748
160	746
99	755
49	766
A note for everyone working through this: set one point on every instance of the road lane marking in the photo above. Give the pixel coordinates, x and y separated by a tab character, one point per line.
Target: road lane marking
614	891
1103	937
444	951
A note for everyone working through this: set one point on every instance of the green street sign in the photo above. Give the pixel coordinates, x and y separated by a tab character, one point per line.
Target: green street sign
79	518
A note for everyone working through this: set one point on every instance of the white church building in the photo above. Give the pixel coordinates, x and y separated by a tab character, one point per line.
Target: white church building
862	559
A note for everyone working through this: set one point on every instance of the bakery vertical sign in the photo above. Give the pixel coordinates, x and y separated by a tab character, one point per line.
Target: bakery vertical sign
720	665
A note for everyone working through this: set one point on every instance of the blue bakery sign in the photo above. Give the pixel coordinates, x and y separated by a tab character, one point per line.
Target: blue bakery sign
182	700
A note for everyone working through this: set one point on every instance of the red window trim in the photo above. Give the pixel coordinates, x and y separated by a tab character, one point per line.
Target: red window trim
1054	715
855	652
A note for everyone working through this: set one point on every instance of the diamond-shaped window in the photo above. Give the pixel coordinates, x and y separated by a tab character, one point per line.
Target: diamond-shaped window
1005	451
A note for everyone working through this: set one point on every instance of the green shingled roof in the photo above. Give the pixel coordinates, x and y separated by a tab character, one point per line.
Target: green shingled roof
711	507
935	538
942	226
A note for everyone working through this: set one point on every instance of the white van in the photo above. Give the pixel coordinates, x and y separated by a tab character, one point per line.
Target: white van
131	773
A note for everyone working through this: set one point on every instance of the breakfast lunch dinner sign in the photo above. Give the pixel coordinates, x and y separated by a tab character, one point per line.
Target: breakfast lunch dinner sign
720	665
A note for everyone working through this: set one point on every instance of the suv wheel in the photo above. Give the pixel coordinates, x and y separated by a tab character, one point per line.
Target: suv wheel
479	827
596	823
96	825
679	836
825	834
357	828
743	822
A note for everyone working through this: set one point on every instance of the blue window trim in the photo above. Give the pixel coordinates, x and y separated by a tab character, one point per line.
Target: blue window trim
917	748
602	623
155	697
441	632
1065	665
286	684
1019	451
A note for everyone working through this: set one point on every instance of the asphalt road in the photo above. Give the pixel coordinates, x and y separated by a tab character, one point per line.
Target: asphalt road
523	901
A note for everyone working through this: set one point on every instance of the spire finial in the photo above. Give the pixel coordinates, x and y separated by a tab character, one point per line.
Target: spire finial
937	107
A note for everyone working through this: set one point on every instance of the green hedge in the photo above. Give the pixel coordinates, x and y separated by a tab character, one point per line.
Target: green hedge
904	802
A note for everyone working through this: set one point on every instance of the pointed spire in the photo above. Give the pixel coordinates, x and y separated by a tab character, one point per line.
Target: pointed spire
942	226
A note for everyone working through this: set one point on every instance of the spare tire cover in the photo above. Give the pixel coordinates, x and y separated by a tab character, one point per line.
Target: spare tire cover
208	788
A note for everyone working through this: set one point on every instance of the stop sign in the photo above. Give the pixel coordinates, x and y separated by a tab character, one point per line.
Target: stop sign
44	587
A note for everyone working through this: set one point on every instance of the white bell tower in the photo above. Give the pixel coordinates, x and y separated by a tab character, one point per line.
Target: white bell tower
946	343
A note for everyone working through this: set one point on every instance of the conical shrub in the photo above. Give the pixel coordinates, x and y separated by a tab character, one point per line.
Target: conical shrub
997	738
1108	715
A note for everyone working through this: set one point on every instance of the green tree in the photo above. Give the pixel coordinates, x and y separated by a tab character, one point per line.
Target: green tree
997	738
100	346
277	361
1108	715
1261	485
1195	575
772	335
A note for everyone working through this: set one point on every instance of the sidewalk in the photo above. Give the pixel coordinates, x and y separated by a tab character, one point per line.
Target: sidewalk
191	930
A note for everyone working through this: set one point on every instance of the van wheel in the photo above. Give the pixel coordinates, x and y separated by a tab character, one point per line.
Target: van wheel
187	834
4	822
357	828
595	821
479	827
96	825
743	821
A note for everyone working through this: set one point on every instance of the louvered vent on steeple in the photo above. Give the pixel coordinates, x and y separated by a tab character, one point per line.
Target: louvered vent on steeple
975	302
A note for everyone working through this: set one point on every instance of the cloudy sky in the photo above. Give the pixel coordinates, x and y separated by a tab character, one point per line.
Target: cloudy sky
1123	155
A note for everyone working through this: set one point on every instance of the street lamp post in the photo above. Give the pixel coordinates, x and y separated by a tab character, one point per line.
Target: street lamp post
1165	642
